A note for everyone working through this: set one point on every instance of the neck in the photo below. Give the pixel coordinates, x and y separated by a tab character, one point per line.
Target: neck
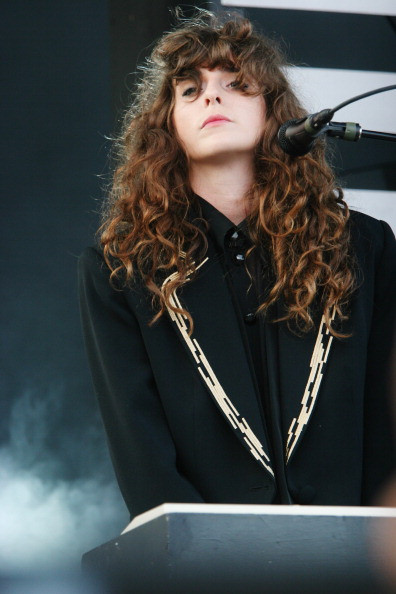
224	185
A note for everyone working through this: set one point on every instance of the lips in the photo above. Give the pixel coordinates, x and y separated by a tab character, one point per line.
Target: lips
215	118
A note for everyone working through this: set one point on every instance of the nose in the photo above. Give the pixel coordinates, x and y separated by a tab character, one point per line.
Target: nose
212	93
213	98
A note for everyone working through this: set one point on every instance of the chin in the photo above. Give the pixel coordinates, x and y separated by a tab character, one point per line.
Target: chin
221	149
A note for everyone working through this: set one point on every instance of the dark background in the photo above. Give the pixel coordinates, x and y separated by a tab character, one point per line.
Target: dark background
68	70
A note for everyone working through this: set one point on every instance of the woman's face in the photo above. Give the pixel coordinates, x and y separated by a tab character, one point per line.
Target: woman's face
217	120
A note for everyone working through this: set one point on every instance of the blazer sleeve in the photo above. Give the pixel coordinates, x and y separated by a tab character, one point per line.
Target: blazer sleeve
141	447
380	406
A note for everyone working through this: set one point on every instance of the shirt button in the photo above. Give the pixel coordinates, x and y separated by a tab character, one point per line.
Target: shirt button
239	258
237	240
250	318
233	240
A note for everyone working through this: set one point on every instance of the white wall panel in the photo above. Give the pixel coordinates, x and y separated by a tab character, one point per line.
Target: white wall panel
380	7
378	204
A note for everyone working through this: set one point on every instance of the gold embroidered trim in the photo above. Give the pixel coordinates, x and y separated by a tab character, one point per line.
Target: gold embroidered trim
318	360
237	422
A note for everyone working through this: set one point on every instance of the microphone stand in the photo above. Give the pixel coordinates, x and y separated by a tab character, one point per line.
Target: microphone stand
354	132
296	137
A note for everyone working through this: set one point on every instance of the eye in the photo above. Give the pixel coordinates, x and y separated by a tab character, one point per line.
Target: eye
235	85
189	91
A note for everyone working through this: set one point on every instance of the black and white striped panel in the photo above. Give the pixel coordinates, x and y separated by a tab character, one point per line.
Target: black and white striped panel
342	49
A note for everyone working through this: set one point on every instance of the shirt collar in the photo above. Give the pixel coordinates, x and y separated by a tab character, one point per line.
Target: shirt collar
219	225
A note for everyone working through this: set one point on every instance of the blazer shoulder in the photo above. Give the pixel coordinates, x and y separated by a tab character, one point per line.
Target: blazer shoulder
368	227
93	269
371	236
90	257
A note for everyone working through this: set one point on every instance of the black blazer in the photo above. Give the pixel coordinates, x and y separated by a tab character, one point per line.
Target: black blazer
182	415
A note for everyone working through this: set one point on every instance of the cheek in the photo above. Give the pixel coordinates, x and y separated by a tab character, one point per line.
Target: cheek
254	110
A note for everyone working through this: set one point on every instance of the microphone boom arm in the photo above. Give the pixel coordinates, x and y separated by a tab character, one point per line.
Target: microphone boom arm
353	132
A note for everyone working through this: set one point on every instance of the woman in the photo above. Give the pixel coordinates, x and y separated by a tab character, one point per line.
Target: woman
238	318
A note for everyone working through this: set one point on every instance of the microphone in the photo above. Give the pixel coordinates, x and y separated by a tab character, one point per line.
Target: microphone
297	137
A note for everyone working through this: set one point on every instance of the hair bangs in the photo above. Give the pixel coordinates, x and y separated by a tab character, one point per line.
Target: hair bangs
234	46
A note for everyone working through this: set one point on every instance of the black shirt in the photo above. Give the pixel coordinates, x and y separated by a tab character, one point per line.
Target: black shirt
246	278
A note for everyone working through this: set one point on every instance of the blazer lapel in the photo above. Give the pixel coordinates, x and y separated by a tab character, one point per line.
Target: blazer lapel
302	361
218	355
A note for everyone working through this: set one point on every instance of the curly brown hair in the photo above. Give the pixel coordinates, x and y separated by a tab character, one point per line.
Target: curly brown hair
295	207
